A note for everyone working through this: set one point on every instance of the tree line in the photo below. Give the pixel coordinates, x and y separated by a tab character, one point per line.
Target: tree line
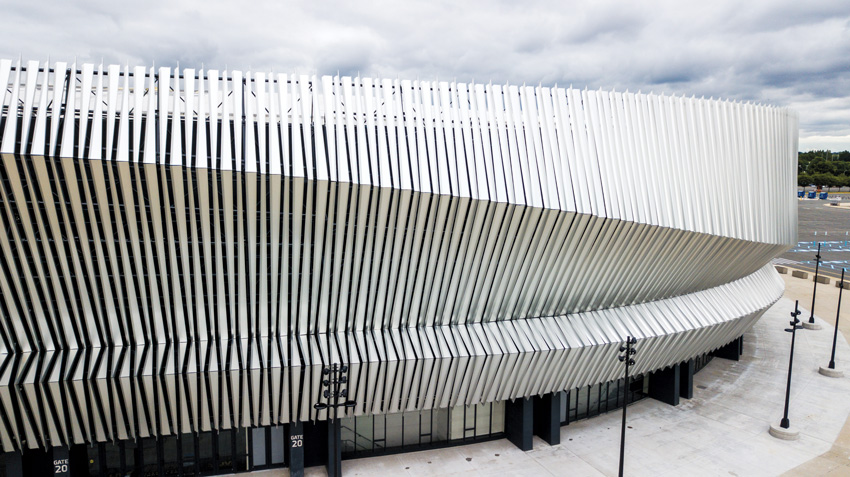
823	168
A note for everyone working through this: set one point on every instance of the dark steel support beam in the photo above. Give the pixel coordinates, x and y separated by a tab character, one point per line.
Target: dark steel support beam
519	422
547	417
686	379
664	385
295	449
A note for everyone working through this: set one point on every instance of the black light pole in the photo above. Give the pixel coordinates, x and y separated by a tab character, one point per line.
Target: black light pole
626	358
837	314
335	377
815	289
793	330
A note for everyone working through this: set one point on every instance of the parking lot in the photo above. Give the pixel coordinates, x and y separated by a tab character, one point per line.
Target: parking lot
818	222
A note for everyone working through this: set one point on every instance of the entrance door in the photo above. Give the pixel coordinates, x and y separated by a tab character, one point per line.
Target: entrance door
315	443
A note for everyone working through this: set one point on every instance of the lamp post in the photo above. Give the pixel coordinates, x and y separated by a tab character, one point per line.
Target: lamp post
815	289
830	370
785	424
334	377
628	360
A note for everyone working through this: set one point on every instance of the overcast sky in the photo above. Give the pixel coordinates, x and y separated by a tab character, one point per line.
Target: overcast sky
793	53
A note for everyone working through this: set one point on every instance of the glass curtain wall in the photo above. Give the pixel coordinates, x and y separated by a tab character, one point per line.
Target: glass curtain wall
409	431
701	361
207	453
240	450
590	401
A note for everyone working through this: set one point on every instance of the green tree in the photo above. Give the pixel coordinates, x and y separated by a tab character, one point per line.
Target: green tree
824	179
821	166
841	168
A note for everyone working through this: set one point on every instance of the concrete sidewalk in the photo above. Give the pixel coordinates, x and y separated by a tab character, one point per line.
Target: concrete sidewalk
721	431
836	460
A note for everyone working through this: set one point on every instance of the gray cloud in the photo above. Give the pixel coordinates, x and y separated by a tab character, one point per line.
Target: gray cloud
782	52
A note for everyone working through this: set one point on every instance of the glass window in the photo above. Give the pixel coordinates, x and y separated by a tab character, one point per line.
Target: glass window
638	388
188	455
347	434
278	444
469	421
593	400
94	460
582	402
572	406
225	450
440	425
379	431
564	406
241	456
258	447
172	455
603	396
111	456
129	448
482	419
394	430
206	462
497	414
457	418
149	454
425	427
364	437
411	428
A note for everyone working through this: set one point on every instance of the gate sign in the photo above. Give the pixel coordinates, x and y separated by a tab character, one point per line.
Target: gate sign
60	467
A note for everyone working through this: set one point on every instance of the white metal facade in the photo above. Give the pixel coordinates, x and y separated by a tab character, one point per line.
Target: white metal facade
457	243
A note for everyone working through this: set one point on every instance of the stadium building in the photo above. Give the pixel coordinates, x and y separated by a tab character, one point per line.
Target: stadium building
209	271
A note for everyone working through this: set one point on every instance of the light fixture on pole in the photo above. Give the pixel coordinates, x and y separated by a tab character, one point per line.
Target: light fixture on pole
784	431
830	369
811	323
629	361
334	377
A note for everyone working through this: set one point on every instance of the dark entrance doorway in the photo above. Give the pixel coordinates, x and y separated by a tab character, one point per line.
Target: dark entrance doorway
315	443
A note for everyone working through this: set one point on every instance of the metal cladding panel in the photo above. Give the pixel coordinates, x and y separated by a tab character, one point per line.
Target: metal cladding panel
135	391
491	241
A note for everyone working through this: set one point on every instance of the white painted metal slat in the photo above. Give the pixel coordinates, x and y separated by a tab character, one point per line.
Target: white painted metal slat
37	147
430	206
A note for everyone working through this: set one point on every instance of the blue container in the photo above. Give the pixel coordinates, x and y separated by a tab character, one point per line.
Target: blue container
811	194
800	193
823	195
